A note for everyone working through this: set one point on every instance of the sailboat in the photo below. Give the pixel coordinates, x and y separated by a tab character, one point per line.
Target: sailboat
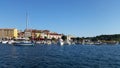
24	41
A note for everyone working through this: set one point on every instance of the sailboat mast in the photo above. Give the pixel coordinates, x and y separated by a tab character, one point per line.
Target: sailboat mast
26	20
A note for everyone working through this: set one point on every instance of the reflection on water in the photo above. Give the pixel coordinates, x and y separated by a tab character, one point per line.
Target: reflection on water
75	56
14	53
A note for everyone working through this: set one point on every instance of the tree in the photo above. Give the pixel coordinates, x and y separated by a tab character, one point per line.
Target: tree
78	39
45	38
53	39
64	37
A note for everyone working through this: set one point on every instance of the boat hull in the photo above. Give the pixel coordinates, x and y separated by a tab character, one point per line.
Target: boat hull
23	44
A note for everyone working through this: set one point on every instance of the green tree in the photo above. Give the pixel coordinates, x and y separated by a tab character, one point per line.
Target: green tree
78	39
64	37
53	39
45	38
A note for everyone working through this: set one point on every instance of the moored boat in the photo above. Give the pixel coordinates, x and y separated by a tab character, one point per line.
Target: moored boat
60	42
4	41
22	41
10	42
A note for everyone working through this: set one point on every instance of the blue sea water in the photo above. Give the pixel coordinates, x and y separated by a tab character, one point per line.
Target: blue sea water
53	56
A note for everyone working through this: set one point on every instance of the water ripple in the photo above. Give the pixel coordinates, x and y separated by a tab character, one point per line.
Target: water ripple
54	56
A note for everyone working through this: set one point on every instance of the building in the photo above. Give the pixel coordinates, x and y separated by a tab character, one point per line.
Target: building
27	33
39	34
34	33
21	34
54	35
8	33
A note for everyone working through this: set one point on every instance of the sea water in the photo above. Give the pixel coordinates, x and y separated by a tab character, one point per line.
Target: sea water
54	56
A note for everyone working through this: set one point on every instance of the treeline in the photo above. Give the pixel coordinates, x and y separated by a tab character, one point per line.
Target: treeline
115	37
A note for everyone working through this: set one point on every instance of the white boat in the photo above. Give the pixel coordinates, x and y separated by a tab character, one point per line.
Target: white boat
60	42
22	41
38	42
10	42
67	42
4	42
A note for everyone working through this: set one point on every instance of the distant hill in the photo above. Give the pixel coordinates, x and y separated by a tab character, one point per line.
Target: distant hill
115	37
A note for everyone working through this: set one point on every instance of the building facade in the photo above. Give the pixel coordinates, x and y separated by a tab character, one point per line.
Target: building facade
54	35
8	33
39	34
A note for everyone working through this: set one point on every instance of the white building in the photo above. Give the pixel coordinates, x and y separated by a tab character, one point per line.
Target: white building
54	35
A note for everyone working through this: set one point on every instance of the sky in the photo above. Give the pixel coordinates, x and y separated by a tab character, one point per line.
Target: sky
83	18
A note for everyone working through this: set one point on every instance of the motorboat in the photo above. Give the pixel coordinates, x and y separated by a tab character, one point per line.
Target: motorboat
4	41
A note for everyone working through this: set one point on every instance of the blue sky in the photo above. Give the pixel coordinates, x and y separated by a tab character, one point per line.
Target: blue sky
75	17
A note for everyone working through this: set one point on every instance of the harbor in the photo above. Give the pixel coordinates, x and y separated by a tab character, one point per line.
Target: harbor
60	42
59	33
35	36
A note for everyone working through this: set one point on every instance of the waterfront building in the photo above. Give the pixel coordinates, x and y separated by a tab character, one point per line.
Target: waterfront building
40	34
36	33
54	35
27	33
21	34
8	33
44	35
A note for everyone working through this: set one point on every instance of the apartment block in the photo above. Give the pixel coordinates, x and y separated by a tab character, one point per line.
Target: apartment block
8	33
